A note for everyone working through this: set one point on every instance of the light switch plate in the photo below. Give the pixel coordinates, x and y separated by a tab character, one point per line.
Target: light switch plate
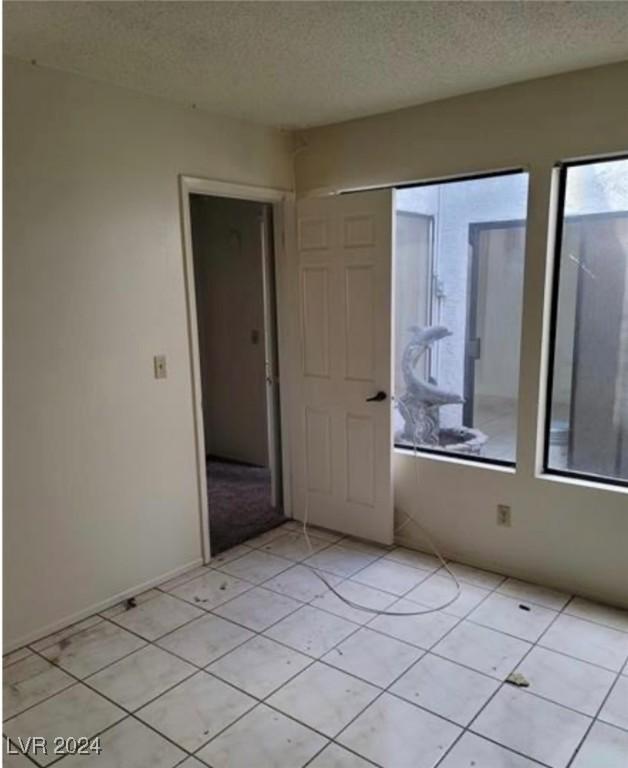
161	371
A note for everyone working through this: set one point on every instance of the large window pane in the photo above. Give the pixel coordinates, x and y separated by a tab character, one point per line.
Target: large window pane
588	415
459	259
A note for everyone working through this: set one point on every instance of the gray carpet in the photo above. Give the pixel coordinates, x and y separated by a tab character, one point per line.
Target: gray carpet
239	503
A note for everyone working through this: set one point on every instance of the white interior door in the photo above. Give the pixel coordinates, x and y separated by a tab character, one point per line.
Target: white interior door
343	441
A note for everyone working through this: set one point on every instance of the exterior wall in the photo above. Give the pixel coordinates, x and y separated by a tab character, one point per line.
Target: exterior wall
567	533
100	494
455	207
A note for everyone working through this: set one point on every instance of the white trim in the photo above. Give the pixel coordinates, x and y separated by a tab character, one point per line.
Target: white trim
278	198
523	167
214	188
551	265
73	618
455	459
522	573
283	216
592	483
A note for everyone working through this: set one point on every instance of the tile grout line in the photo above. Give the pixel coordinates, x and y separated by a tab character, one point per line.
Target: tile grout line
596	719
314	660
286	682
495	590
264	700
127	713
209	567
385	690
533	644
467	728
529	651
504	683
260	633
132	714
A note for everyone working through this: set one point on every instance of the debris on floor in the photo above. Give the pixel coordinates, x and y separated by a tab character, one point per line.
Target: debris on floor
130	603
516	678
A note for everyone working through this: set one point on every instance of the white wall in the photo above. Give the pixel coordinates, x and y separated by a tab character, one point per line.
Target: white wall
100	479
567	534
230	306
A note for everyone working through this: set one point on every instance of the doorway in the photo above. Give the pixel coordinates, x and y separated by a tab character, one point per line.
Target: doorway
234	289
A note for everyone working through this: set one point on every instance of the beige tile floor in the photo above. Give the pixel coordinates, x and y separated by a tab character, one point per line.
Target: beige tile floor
253	663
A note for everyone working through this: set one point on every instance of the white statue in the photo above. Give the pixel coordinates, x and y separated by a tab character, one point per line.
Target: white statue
420	402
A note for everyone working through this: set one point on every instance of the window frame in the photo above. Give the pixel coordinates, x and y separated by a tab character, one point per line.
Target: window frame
558	225
424	451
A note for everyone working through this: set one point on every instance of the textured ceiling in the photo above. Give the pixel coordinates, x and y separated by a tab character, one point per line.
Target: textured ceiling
294	64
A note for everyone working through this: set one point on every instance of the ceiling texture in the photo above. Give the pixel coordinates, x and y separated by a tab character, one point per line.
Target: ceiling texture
297	64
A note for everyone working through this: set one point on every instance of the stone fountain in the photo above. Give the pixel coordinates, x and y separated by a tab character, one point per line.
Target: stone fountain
419	405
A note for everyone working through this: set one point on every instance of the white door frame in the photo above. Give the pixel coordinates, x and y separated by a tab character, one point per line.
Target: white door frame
280	199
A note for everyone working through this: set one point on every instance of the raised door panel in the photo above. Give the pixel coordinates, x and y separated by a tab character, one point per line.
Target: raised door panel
313	234
318	450
359	323
358	231
315	320
360	442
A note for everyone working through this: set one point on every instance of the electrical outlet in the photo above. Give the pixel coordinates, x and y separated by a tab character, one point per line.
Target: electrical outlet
159	363
504	515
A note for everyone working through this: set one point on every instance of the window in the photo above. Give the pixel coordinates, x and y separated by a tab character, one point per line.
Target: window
459	259
587	416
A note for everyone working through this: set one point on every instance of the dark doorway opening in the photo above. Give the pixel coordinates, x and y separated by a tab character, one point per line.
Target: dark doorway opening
234	280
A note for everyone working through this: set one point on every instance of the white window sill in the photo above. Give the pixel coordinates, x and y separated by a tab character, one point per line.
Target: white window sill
485	464
594	485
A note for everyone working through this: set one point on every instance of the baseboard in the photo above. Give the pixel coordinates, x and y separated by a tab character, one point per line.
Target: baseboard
73	618
522	574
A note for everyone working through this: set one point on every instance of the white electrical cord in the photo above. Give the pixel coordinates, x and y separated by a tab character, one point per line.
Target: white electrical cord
410	519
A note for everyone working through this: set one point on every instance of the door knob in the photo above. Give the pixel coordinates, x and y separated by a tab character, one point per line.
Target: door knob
377	398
